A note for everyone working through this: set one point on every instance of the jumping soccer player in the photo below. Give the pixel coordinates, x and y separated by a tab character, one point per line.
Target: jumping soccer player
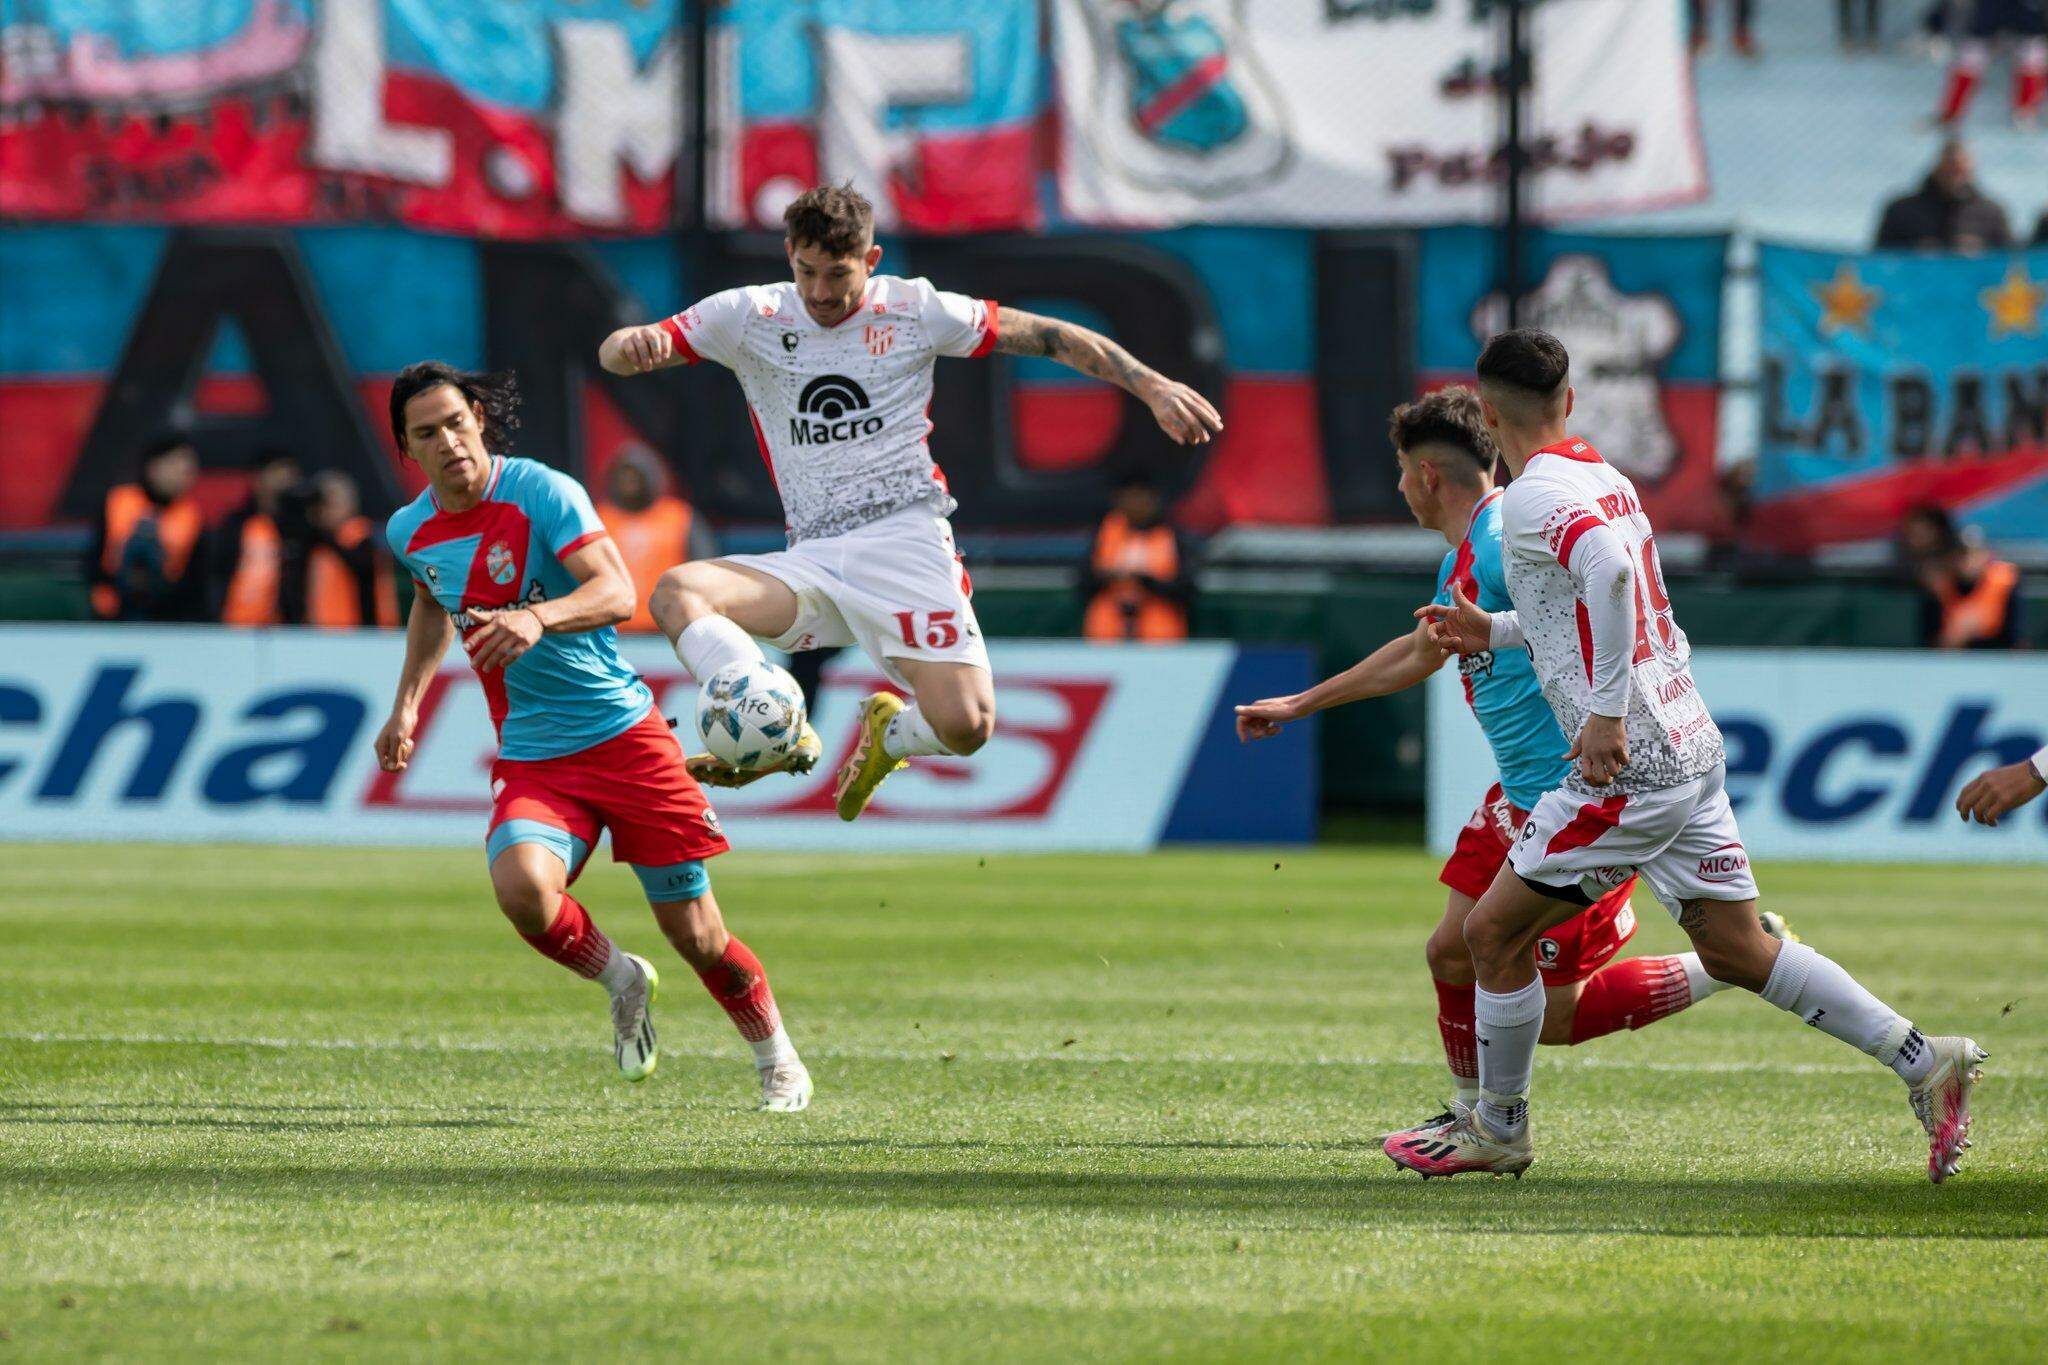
512	554
1446	459
837	369
1647	794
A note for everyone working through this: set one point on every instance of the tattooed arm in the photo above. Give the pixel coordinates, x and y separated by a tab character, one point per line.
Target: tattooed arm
1182	413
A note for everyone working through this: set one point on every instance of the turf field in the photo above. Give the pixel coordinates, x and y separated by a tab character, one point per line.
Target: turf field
291	1103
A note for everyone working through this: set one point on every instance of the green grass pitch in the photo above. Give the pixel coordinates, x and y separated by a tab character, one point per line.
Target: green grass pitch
289	1104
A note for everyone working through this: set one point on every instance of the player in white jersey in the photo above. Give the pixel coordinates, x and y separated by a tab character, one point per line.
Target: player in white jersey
1647	792
837	369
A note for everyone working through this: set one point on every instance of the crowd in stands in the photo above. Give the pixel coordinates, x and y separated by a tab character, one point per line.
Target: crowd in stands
1949	212
299	550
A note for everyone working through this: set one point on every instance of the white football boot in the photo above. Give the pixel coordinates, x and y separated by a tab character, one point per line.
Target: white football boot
785	1088
1942	1102
633	1023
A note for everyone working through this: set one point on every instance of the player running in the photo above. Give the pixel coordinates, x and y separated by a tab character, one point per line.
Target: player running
512	553
837	369
1446	460
1647	794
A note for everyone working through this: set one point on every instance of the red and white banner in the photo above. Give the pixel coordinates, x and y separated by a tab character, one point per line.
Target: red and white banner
1345	112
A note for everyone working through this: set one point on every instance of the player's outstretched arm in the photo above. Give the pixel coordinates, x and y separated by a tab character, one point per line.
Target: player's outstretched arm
428	633
1182	413
603	597
638	350
1395	666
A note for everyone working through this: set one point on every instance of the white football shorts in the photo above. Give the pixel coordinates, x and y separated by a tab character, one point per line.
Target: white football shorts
1682	839
896	587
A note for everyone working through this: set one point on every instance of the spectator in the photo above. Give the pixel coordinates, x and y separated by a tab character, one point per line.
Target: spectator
347	580
142	565
1745	34
2025	24
1971	599
1139	581
249	547
1859	24
1947	213
2041	230
655	530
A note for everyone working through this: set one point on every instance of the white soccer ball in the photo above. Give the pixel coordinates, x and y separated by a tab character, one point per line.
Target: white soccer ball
750	715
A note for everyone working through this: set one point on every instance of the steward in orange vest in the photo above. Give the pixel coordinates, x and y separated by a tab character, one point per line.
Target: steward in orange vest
142	566
250	569
1139	582
654	529
1972	598
348	576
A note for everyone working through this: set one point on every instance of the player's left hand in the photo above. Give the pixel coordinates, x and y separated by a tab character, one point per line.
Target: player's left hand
1461	628
1601	749
506	633
1991	794
1183	414
1263	719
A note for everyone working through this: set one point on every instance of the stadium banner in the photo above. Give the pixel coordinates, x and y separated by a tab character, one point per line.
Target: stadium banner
930	107
209	734
1357	112
1837	756
516	119
1892	380
1641	316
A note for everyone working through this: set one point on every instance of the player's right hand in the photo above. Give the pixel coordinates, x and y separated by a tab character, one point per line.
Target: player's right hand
646	348
1182	413
1263	719
1461	627
394	742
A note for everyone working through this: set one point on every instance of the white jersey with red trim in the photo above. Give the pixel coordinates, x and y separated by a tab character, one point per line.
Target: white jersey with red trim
841	413
1563	492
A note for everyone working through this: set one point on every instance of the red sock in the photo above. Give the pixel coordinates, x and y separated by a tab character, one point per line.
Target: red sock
1629	994
573	940
1454	1022
2029	85
1962	83
738	983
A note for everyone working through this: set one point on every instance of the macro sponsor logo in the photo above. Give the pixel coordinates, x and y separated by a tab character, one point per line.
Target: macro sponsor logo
828	410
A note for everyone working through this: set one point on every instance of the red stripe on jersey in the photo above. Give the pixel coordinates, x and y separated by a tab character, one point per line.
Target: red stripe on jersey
1571	539
1585	637
1587	826
487	521
761	440
573	546
684	349
989	333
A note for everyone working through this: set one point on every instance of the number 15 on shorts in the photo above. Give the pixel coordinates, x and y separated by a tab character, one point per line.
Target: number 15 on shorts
937	632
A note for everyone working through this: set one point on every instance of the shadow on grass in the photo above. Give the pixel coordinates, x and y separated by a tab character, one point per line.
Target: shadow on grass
282	1118
1984	1207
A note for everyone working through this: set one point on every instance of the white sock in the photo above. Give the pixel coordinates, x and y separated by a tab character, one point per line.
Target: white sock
619	972
774	1050
709	643
1507	1027
1465	1089
1696	979
1814	988
910	735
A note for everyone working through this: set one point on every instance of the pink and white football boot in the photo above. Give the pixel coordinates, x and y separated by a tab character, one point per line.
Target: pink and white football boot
1942	1102
1464	1144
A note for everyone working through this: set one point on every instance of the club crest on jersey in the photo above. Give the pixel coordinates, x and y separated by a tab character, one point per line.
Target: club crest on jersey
829	409
499	564
880	339
789	341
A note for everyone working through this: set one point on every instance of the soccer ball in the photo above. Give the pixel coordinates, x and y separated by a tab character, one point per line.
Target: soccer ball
750	715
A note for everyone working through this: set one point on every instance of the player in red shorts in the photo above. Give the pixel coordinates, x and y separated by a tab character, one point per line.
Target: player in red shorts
1447	460
511	553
